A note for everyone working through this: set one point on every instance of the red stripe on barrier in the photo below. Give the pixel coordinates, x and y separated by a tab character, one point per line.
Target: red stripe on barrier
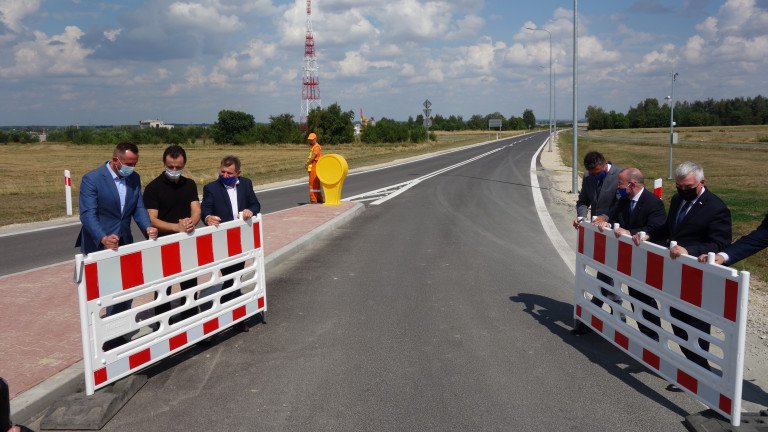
234	244
138	359
99	376
581	239
651	359
597	323
67	181
92	281
687	381
624	263
725	404
238	313
171	258
599	250
256	235
177	341
654	270
578	310
731	299
622	340
260	303
204	249
131	270
210	326
690	285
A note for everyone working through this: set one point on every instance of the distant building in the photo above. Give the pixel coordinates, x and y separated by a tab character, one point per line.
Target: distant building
148	124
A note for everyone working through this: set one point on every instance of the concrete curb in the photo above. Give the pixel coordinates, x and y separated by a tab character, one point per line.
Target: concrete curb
28	406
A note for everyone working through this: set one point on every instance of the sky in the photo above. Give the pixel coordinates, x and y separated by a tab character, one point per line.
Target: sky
66	62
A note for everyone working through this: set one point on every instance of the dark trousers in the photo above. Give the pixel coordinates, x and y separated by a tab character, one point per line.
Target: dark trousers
227	297
186	313
697	324
608	280
650	301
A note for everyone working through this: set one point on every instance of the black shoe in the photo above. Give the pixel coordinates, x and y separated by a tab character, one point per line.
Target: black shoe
580	328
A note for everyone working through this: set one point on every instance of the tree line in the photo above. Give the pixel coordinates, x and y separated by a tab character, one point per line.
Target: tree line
650	114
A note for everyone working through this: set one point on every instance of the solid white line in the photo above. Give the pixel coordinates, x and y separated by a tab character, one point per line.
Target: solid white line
562	247
40	229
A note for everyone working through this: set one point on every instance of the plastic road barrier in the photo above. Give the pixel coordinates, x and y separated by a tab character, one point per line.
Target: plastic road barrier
332	170
712	293
658	190
143	274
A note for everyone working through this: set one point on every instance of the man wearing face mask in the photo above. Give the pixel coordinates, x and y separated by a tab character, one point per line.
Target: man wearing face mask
109	197
223	200
699	222
637	209
174	207
598	188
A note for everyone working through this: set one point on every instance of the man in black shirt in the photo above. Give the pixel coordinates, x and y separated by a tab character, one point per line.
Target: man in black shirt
174	207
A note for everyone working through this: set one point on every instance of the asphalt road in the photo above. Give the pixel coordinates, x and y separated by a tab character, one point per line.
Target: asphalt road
443	309
56	245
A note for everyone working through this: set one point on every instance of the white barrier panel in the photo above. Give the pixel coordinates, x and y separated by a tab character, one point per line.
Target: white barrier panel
143	274
712	293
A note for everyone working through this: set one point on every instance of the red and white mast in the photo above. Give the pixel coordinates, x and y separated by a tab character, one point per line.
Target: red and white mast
310	83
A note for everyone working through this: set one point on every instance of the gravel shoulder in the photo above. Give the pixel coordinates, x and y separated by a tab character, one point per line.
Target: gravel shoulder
561	205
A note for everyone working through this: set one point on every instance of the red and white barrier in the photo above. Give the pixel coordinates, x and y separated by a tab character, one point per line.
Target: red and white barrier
658	189
140	271
712	293
68	191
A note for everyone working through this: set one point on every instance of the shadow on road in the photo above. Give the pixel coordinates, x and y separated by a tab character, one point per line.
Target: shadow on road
557	316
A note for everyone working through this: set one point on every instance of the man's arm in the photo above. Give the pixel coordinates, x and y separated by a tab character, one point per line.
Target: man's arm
88	202
748	245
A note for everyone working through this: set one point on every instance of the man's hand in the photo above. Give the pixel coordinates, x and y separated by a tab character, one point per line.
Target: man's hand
577	221
212	220
621	231
247	214
111	241
638	239
185	225
718	258
152	233
676	250
601	224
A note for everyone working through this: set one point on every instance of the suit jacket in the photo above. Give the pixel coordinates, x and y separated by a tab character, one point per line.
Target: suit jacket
600	199
216	200
100	209
648	215
748	245
706	227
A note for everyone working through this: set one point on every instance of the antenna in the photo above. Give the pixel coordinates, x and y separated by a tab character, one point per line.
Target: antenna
310	83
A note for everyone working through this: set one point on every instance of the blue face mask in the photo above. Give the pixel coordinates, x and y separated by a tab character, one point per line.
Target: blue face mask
125	170
623	193
601	175
228	181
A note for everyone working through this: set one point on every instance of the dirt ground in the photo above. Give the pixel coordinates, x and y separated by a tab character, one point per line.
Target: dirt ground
755	393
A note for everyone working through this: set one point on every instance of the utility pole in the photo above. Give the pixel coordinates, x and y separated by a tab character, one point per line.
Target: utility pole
671	120
575	175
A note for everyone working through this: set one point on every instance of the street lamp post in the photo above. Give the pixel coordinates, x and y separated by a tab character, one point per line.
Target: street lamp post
671	99
575	173
550	81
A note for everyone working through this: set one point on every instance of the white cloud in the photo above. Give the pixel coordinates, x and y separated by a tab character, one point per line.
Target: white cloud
112	35
55	55
196	77
204	17
13	12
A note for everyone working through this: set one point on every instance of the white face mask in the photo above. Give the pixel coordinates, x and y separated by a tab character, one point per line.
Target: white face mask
173	175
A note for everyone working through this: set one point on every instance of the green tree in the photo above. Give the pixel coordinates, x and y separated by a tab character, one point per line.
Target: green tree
332	125
230	125
529	119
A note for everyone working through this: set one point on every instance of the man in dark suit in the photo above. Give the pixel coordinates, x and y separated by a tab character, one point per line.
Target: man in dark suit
110	196
637	210
744	247
223	200
598	188
699	222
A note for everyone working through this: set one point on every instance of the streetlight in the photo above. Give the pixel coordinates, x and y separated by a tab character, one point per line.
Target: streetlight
550	81
671	100
575	173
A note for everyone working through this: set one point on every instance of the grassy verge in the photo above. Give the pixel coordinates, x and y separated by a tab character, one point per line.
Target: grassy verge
732	172
32	186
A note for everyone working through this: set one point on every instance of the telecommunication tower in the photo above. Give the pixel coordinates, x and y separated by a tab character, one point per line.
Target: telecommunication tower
310	83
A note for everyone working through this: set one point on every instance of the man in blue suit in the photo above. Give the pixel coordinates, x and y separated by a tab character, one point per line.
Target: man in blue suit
744	247
223	200
110	196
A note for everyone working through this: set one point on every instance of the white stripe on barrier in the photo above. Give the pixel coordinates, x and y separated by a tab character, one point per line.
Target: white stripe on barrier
714	294
147	270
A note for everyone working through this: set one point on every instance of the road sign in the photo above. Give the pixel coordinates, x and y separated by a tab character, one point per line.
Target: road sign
427	122
494	123
427	112
427	104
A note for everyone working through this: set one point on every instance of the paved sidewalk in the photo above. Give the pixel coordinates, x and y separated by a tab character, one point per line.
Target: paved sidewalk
40	317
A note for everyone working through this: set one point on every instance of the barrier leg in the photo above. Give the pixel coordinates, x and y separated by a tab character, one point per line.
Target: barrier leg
5	406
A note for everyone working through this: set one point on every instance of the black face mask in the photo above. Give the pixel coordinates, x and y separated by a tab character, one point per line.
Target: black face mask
687	194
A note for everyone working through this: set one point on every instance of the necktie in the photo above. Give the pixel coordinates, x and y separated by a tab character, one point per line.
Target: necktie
681	214
632	204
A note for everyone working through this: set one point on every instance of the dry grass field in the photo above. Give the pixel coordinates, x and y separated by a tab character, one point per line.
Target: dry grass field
733	159
31	175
